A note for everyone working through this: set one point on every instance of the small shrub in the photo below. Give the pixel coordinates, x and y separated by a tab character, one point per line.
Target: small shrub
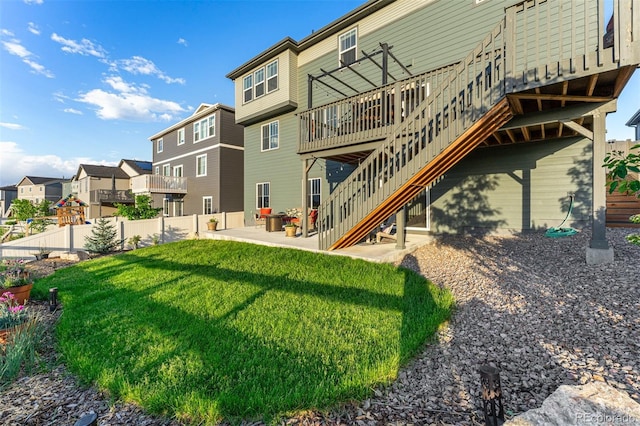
103	238
134	241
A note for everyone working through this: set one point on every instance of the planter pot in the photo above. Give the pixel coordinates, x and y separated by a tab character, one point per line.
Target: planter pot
21	293
5	333
290	231
212	226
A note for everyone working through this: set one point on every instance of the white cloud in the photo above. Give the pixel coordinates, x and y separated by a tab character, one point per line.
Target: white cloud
16	163
15	48
129	102
183	42
6	33
83	47
33	1
12	126
33	28
140	65
72	111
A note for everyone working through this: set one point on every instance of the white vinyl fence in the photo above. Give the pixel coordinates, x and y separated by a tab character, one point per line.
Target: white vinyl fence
71	238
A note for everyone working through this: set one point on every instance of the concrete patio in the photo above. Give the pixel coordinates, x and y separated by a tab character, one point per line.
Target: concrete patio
378	252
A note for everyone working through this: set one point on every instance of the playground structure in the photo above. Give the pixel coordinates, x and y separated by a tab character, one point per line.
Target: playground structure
70	211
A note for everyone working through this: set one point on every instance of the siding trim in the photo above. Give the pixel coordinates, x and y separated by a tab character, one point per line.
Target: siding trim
189	154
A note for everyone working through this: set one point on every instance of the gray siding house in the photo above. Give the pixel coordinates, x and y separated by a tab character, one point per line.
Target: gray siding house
198	164
7	195
443	116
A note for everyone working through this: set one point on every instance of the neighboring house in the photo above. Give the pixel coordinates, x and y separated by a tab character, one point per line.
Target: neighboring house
102	187
634	121
7	195
198	164
453	116
37	188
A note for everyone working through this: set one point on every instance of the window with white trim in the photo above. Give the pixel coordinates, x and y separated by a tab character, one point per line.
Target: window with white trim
247	88
259	82
165	207
166	170
181	136
207	205
204	128
159	145
201	165
270	139
348	45
272	76
313	193
178	208
157	170
177	171
262	195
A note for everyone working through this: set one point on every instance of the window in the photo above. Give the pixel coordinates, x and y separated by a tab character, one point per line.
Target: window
259	85
313	192
165	207
247	88
177	171
181	136
178	208
262	195
166	170
212	126
160	145
157	170
348	47
204	128
201	165
270	136
272	76
207	205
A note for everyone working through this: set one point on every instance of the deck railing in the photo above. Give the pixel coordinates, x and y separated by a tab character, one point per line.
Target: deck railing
159	184
538	42
111	195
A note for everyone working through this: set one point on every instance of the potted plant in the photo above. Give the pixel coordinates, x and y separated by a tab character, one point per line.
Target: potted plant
16	279
290	229
212	225
12	315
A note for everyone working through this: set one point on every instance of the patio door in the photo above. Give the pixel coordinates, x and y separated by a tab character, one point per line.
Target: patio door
419	212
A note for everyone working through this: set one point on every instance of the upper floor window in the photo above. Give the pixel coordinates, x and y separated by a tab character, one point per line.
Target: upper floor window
159	145
201	165
348	47
177	171
157	170
166	170
272	76
247	88
253	85
259	79
204	128
270	138
181	136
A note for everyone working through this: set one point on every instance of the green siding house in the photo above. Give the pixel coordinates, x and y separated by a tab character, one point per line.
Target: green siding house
442	116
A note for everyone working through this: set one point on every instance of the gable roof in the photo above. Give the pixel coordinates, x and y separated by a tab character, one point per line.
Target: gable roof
140	166
201	111
95	170
39	180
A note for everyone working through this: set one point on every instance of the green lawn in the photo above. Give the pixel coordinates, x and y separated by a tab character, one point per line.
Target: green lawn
210	330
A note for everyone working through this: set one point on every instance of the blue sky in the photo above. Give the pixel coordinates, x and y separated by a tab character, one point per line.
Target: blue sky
88	81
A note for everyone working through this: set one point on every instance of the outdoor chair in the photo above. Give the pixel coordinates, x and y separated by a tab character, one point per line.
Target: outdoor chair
387	232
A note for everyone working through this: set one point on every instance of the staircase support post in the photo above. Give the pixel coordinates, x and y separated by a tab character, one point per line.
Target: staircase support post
305	215
400	225
599	250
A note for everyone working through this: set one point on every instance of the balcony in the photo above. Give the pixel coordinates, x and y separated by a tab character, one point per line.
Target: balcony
158	184
107	196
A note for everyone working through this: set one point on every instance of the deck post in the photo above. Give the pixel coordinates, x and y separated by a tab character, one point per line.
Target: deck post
599	250
400	225
305	215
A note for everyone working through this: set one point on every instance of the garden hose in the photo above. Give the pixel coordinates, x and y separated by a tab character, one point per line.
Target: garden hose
557	232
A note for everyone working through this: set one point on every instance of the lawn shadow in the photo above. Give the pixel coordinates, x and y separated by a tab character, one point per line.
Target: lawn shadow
241	371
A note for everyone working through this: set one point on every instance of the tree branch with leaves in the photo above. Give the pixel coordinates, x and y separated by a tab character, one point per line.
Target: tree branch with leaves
620	166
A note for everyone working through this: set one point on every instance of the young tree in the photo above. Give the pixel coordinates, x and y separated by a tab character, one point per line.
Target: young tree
24	210
103	238
619	166
141	210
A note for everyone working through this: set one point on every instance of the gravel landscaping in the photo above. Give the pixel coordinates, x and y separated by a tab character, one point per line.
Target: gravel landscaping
528	304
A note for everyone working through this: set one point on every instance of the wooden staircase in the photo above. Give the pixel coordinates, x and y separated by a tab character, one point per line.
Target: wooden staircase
466	108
